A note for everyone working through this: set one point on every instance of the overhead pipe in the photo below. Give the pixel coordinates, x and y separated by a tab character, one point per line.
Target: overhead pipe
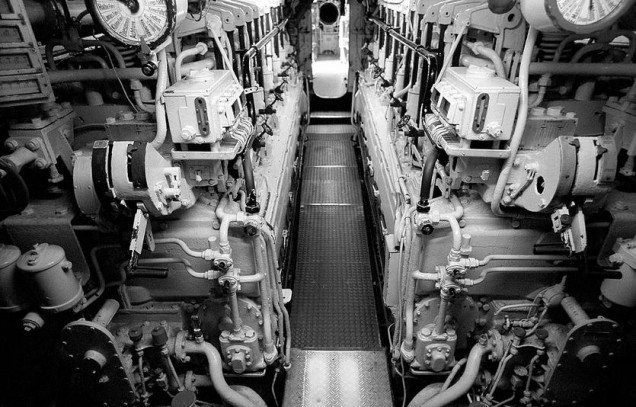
583	69
84	75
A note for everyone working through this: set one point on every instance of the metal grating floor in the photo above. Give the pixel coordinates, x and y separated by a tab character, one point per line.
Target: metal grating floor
334	303
331	185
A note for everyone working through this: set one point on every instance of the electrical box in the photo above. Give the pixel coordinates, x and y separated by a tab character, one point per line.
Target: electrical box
479	104
203	106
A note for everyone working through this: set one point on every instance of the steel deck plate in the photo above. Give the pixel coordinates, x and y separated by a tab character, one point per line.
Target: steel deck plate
341	378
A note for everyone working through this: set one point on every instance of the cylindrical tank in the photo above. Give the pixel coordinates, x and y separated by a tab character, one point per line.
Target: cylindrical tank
55	284
13	293
623	290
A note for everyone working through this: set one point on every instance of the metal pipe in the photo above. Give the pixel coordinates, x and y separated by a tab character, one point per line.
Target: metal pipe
575	312
172	260
440	322
402	39
522	116
471	282
413	264
480	49
106	312
583	69
183	245
271	247
94	75
266	297
522	257
231	397
200	48
160	109
465	382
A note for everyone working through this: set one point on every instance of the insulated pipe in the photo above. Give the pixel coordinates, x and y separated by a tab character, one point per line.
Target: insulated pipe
465	382
228	395
160	109
200	48
522	116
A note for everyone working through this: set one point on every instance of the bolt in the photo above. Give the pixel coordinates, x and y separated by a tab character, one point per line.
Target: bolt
33	144
11	145
40	164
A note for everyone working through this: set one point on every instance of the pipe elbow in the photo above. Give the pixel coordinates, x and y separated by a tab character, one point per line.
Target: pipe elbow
465	382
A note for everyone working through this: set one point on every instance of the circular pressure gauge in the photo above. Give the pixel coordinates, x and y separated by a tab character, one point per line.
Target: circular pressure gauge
577	16
131	21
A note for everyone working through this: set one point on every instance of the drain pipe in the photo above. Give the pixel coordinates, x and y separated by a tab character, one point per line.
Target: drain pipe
271	248
183	346
266	298
413	264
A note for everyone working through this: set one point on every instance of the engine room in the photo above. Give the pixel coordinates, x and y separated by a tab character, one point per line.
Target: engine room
290	203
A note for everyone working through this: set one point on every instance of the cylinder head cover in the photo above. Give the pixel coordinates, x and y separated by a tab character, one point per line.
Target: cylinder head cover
52	277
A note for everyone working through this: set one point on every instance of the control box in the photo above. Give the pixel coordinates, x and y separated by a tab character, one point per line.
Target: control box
479	104
203	106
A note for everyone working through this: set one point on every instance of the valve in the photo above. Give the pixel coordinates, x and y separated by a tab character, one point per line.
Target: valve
195	329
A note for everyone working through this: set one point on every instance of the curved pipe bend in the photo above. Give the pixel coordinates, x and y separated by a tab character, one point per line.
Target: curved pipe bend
465	382
230	396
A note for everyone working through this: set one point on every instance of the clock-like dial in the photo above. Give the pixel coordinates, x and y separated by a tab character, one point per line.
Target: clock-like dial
130	21
588	13
578	16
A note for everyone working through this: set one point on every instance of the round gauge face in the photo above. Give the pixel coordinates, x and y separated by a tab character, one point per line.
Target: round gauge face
130	21
586	16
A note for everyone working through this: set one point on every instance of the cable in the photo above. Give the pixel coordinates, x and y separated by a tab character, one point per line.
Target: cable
123	88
